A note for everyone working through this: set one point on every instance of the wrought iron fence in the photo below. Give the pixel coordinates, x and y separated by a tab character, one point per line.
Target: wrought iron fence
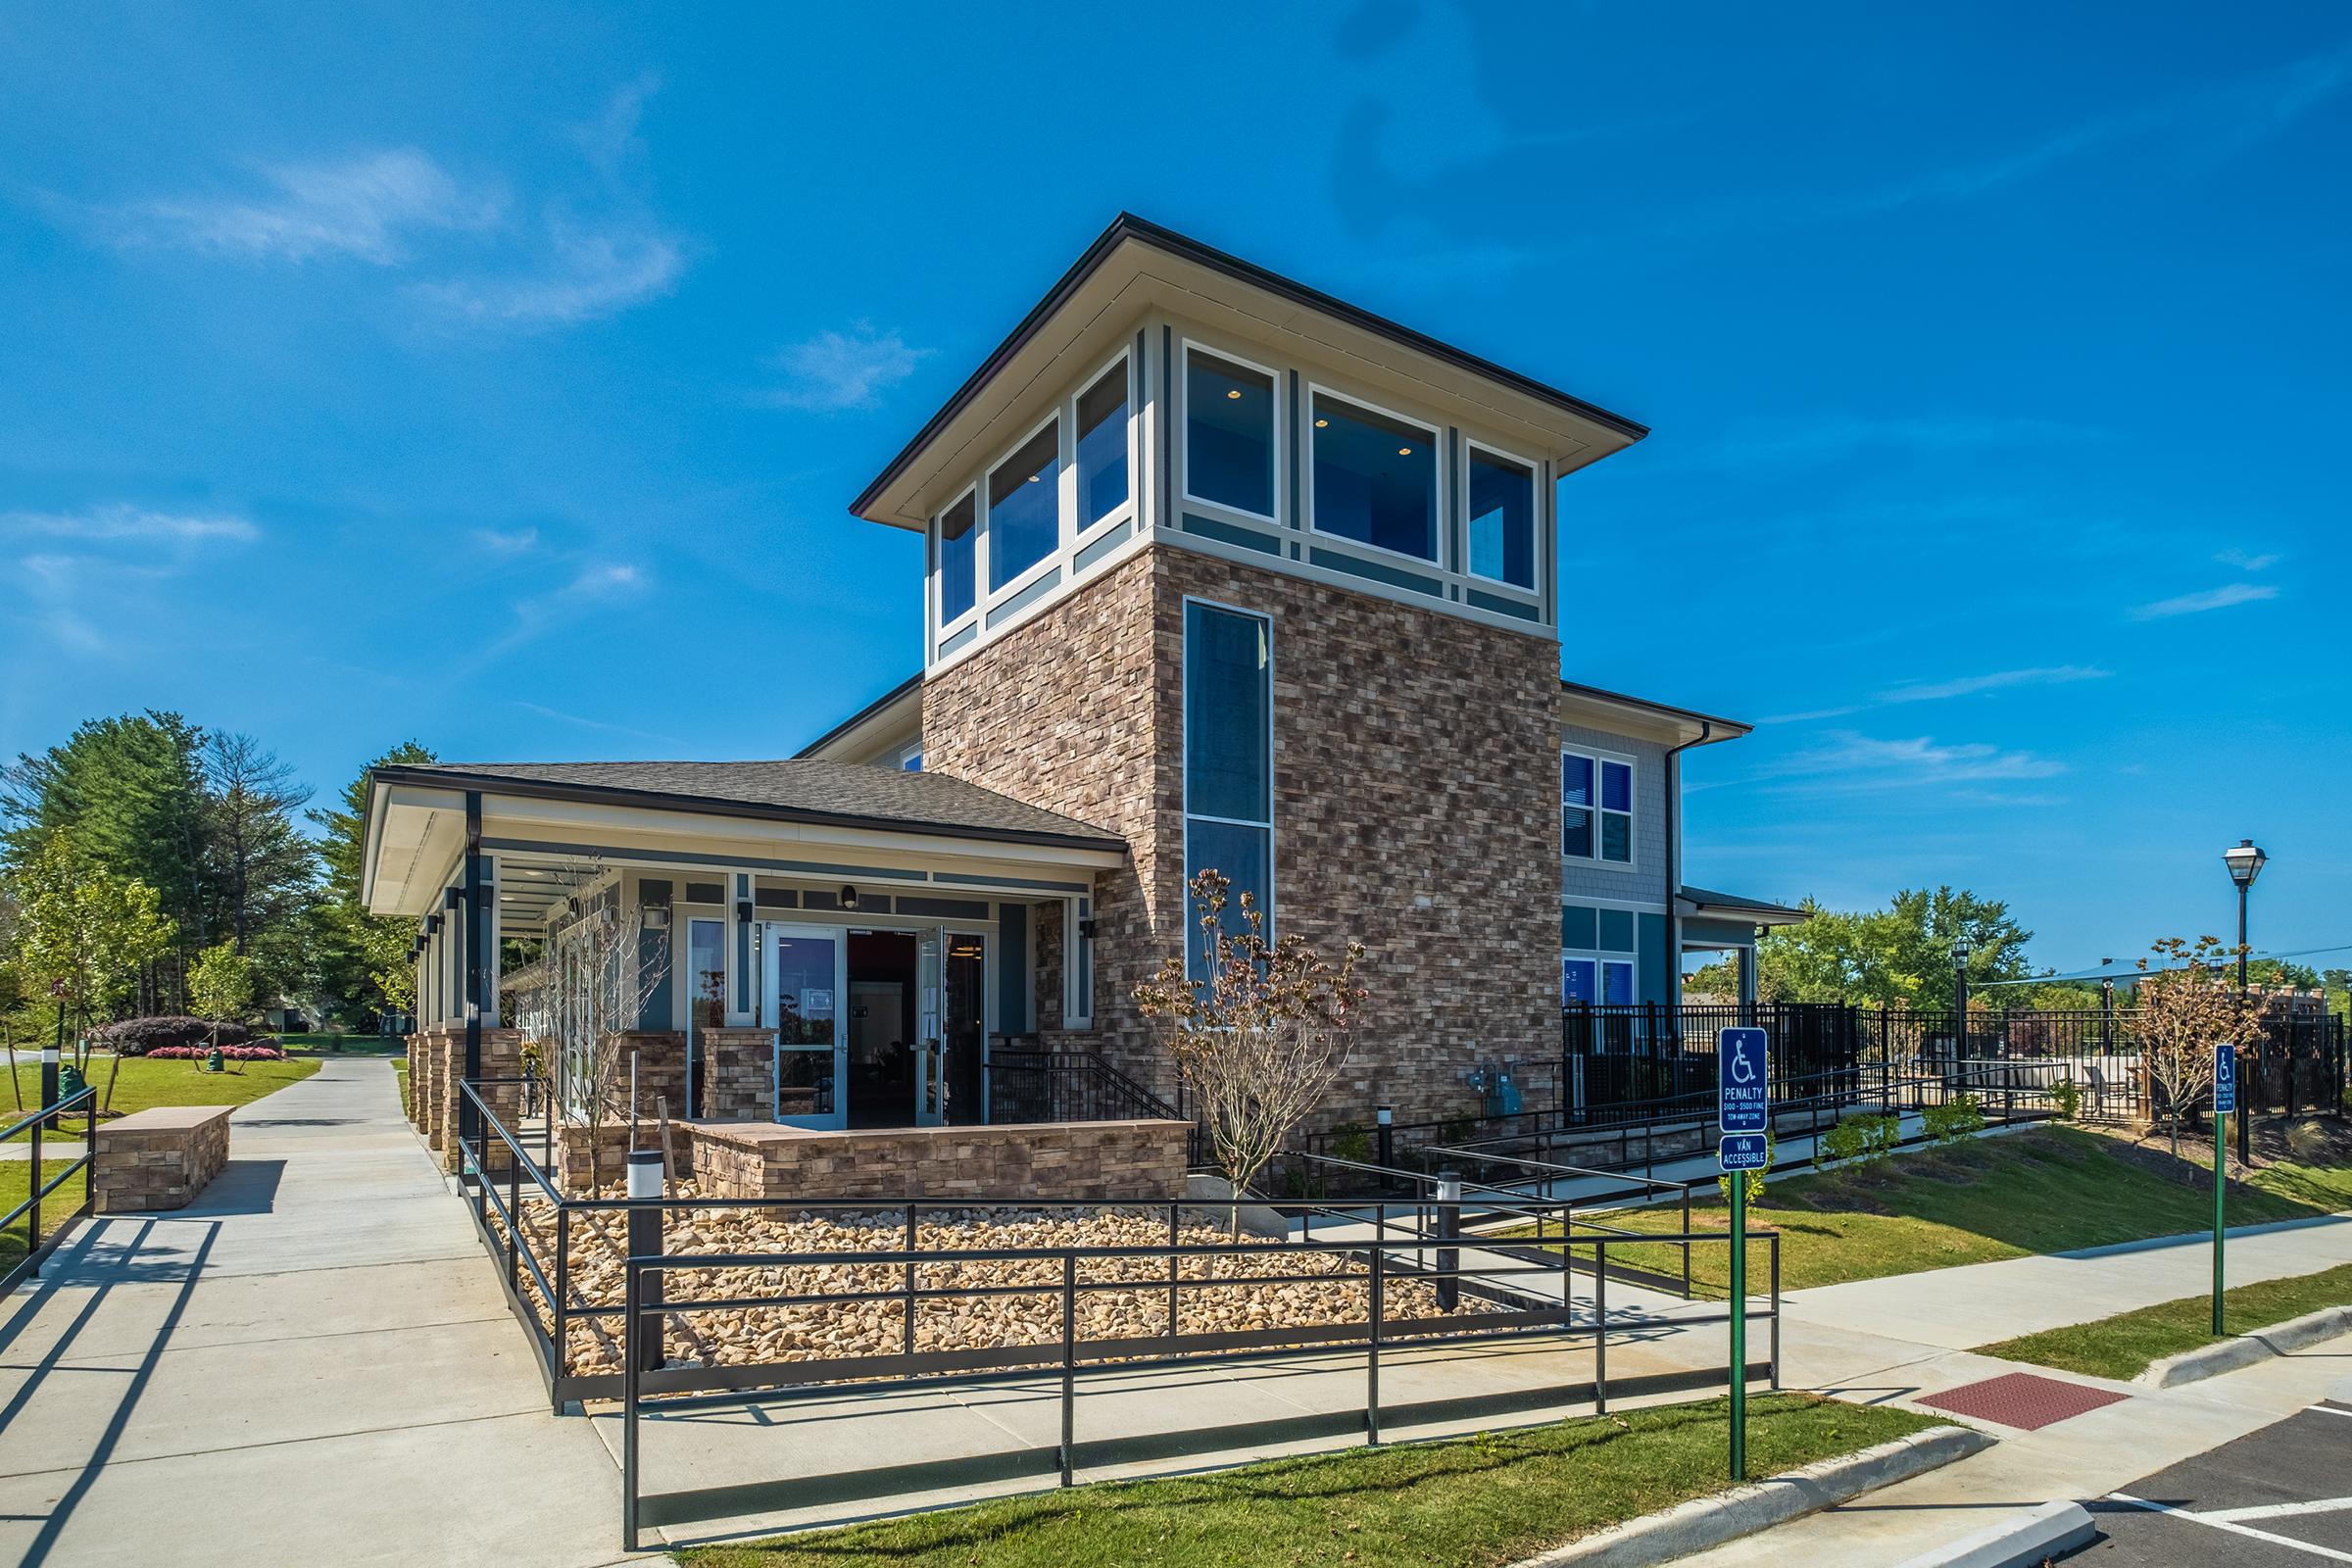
1034	1086
41	1239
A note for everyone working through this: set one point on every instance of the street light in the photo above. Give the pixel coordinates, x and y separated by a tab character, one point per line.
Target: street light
2245	862
1960	996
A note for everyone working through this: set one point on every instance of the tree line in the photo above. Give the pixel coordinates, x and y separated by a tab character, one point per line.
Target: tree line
145	858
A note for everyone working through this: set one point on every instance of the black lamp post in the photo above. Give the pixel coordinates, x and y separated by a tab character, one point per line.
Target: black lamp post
2245	861
1960	994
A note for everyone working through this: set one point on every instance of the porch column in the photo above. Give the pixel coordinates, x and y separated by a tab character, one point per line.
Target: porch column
478	926
1747	983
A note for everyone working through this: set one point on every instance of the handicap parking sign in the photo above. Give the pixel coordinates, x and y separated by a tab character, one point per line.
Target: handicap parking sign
1742	1151
2225	1079
1744	1099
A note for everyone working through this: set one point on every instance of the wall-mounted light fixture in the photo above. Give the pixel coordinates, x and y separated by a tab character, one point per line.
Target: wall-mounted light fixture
452	898
432	925
743	912
1086	928
656	918
849	897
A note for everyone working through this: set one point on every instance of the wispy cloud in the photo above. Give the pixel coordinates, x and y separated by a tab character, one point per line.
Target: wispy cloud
2244	562
506	542
366	207
836	370
2197	603
1943	690
1848	760
1835	435
113	524
585	274
593	584
601	726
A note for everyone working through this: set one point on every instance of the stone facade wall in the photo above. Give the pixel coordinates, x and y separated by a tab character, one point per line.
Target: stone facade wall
660	1059
159	1159
611	1143
1132	1161
443	1058
1416	806
739	1075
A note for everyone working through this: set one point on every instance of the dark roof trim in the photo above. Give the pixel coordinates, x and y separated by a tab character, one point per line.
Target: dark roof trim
445	777
849	723
1602	694
1128	227
1707	899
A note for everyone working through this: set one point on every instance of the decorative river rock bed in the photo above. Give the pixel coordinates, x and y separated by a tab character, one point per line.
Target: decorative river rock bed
1310	1288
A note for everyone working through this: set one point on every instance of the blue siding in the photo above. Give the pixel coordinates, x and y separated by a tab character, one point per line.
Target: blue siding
1657	964
650	945
1012	968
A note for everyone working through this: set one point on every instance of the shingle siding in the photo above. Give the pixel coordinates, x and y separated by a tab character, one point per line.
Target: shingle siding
1645	881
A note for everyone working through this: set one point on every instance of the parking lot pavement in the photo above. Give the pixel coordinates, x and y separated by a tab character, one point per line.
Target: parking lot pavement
2278	1497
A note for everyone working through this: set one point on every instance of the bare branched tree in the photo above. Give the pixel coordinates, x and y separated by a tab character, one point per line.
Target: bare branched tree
2187	1006
606	966
1260	1038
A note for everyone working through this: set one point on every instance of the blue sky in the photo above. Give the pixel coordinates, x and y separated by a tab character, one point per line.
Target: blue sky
499	376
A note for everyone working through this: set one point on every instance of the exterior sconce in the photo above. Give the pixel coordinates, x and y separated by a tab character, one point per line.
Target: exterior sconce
743	912
432	925
452	898
1086	928
849	897
656	918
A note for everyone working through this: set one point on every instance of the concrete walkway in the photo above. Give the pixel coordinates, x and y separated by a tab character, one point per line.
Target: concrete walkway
312	1363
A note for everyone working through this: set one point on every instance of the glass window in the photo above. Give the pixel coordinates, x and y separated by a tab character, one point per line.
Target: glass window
1103	445
1617	812
1375	479
956	536
1228	433
911	761
1576	806
1229	766
1577	981
706	965
1024	507
1617	984
1503	519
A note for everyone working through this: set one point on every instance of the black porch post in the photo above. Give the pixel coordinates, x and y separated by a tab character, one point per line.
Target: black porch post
470	1120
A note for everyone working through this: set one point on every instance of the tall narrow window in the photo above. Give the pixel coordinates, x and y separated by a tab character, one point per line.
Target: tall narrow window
1228	433
958	585
1024	507
1228	759
1102	447
1503	519
1596	809
1617	812
1375	478
1576	806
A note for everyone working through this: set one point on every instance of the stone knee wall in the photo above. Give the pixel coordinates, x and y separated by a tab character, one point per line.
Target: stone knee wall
1130	1160
160	1158
612	1144
739	1075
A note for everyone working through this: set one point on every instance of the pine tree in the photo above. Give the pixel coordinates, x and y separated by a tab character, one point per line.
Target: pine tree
359	957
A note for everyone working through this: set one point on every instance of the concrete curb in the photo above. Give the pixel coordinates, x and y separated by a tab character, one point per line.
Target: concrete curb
2027	1542
2212	1360
1706	1522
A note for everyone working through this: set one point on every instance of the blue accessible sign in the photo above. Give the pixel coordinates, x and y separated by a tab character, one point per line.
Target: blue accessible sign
1744	1099
1742	1151
2225	1079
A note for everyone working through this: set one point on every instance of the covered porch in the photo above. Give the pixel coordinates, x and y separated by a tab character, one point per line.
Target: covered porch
1716	926
817	944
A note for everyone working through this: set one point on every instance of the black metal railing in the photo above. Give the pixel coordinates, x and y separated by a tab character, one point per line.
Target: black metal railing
44	1227
1032	1086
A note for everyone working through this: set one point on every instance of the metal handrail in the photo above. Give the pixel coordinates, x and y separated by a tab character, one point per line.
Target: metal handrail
38	1187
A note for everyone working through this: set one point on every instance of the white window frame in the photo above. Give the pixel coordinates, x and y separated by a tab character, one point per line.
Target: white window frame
1633	817
1437	489
1184	430
1079	531
1534	521
938	560
1073	1015
1064	486
1600	962
1184	777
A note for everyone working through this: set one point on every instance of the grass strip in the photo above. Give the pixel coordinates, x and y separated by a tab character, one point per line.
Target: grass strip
1459	1503
2051	1190
145	1083
16	1185
2124	1346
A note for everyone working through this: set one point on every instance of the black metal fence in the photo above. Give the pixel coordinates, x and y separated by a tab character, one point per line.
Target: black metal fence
1034	1086
44	1226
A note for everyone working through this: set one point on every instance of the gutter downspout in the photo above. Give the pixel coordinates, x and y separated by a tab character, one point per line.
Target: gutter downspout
1674	834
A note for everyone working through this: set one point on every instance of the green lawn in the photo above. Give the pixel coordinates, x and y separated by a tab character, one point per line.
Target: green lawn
344	1045
146	1083
1463	1504
16	1185
2051	1190
2122	1346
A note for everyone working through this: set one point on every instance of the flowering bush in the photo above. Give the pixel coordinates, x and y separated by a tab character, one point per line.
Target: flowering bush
255	1053
141	1037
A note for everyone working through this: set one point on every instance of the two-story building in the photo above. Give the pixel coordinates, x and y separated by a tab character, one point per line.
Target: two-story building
1218	572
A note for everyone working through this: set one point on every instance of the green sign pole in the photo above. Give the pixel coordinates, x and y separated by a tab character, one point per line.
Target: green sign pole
2220	1188
1739	1326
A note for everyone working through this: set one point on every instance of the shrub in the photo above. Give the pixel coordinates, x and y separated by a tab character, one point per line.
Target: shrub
2308	1142
1353	1141
1755	1178
141	1037
1954	1120
1863	1140
260	1052
2066	1096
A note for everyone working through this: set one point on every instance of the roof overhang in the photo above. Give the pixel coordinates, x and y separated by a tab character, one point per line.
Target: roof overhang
415	838
1135	266
1706	904
1620	715
896	713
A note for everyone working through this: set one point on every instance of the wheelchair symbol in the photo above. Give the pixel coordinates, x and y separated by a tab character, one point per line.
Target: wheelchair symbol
1742	1071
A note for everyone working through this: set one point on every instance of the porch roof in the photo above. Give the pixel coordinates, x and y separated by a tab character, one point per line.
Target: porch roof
796	789
1732	907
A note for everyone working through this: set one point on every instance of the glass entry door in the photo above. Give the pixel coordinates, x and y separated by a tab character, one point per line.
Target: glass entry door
951	1039
930	1044
806	972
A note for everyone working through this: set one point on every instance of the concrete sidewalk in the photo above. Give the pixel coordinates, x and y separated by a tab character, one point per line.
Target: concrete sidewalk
311	1363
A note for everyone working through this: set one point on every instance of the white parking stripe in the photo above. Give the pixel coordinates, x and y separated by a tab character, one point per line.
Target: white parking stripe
2331	1410
2328	1553
2278	1510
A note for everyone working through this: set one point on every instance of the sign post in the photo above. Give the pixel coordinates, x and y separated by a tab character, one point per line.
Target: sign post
2224	1105
1744	1114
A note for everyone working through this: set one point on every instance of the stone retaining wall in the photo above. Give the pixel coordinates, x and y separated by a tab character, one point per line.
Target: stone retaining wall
739	1074
1099	1160
612	1142
158	1159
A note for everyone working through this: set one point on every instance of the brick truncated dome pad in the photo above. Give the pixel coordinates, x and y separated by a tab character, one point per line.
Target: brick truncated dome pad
2021	1400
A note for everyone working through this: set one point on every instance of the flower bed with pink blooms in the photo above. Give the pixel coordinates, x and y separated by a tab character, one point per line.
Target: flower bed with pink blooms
227	1054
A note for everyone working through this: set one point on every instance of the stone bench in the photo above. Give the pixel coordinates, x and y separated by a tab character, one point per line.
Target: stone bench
160	1158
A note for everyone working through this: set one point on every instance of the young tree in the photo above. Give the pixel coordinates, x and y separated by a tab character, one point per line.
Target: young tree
2189	1004
605	968
87	930
1260	1038
221	985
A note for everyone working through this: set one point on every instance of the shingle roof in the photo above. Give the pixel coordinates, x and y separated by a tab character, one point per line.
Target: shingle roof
801	789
